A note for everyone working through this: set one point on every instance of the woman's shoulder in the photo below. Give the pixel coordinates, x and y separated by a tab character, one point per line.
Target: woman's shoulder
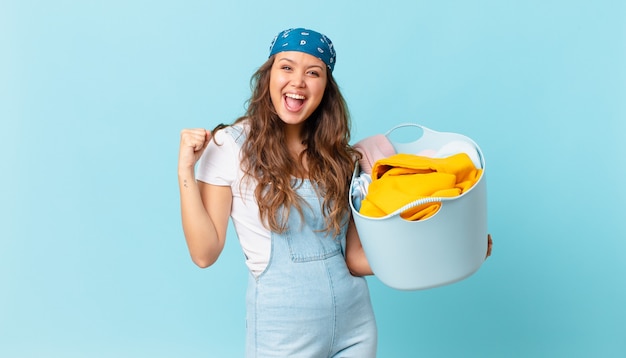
235	132
239	127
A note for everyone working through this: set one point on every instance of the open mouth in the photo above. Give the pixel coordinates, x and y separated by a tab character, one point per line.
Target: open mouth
294	102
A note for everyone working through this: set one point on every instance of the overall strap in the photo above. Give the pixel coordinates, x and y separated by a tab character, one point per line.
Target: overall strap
237	133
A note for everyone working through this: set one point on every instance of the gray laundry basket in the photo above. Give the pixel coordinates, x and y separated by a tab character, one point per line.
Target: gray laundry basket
442	249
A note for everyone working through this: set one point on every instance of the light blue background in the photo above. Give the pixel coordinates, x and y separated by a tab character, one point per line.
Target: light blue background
93	95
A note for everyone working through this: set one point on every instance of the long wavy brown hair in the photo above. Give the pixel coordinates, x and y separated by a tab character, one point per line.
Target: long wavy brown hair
330	158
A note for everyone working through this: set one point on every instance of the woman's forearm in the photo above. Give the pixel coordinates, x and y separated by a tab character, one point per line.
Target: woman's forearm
200	232
355	254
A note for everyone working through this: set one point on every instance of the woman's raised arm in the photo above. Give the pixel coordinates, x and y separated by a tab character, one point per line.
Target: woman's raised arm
205	208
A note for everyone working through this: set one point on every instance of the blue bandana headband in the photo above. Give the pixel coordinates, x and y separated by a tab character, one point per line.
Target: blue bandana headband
307	41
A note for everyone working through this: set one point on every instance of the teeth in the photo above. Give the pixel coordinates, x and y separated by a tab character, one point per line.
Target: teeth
294	96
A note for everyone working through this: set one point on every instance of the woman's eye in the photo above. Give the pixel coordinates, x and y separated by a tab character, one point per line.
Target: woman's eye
314	73
286	68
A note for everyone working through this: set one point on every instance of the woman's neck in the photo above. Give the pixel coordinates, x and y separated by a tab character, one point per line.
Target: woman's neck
295	147
293	139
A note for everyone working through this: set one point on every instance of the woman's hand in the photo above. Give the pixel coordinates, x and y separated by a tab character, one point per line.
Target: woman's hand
192	145
489	245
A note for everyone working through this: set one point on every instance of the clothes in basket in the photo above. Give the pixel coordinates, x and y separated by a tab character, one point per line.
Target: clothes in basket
403	178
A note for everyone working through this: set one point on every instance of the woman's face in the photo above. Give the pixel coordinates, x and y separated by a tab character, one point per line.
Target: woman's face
297	83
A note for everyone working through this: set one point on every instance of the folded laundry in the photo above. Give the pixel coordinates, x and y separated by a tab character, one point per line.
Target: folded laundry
404	178
372	149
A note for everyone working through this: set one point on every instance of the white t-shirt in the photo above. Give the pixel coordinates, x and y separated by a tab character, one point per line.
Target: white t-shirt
220	165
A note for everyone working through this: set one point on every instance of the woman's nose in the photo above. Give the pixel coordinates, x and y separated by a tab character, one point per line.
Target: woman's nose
297	80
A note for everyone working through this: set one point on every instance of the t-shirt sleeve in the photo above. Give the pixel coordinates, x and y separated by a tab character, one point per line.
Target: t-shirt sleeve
219	163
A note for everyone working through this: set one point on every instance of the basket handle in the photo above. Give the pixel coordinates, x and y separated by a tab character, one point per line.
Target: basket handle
425	130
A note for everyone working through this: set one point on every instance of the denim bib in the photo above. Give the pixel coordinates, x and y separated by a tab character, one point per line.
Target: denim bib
306	303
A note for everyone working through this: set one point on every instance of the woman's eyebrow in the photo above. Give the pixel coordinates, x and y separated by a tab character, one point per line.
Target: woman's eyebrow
286	59
294	62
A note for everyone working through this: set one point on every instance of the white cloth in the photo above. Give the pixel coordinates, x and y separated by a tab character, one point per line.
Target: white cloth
220	165
359	189
458	146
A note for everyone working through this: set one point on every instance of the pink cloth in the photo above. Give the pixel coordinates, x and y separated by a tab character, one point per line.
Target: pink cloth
372	149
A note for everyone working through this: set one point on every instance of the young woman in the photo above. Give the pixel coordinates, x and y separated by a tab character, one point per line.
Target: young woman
282	173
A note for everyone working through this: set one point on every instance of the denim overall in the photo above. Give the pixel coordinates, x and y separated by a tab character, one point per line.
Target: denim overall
306	303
